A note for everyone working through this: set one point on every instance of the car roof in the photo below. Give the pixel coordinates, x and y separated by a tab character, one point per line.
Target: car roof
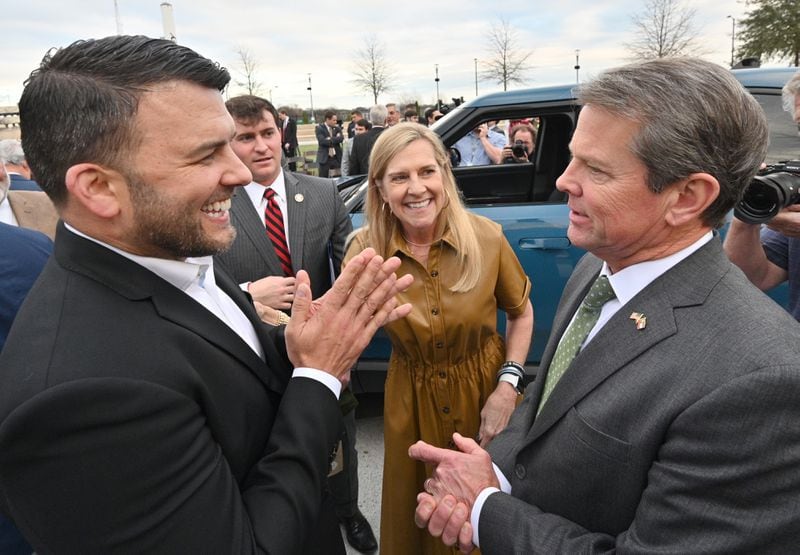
764	77
772	77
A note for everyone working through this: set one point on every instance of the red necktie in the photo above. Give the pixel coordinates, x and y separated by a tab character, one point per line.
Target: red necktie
273	219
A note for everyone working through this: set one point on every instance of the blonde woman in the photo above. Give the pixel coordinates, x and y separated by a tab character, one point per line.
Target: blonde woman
447	354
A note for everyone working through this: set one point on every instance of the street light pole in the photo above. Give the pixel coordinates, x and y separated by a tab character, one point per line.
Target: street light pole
438	100
311	99
577	66
733	36
476	76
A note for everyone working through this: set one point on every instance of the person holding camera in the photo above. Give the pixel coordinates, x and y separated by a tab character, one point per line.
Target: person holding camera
521	144
770	255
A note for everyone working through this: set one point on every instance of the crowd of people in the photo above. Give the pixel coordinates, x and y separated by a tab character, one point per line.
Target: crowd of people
181	309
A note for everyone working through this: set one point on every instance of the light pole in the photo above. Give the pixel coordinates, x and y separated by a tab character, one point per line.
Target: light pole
577	66
438	100
733	36
476	76
311	99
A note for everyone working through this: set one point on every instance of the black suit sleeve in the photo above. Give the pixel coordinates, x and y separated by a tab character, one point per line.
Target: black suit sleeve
127	466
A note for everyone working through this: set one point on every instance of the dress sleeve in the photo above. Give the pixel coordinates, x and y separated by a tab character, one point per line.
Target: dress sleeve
513	287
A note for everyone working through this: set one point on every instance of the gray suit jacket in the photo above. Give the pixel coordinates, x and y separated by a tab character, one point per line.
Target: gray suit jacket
681	437
317	215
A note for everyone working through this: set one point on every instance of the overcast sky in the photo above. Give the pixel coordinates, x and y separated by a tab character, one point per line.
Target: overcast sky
291	39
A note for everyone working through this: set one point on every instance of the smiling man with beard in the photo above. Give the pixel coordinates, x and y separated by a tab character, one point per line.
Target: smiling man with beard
144	408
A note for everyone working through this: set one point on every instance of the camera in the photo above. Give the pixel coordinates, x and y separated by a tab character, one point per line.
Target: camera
519	149
773	188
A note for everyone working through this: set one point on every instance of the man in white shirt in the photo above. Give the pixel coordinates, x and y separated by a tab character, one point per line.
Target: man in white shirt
661	419
139	370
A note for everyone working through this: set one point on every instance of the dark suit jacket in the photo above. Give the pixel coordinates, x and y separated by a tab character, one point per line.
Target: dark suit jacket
134	421
317	215
22	257
325	141
681	437
290	136
19	183
362	147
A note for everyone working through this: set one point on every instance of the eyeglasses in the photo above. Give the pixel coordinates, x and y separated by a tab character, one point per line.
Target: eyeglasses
437	118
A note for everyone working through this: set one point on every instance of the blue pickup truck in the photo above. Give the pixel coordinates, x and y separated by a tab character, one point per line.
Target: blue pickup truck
522	197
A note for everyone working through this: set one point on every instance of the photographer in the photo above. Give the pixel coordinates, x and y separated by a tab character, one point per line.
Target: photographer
771	255
521	144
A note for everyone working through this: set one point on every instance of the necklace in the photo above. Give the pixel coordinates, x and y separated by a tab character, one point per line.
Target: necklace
417	244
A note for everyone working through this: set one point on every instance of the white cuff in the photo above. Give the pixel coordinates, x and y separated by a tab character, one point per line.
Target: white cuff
324	378
475	515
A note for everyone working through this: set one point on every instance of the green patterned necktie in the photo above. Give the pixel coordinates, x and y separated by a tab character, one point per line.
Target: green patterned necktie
588	313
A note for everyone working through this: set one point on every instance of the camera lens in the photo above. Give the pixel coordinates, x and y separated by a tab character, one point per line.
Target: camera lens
766	196
519	149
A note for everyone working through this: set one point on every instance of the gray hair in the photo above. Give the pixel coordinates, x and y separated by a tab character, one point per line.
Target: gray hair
790	91
378	114
11	152
693	117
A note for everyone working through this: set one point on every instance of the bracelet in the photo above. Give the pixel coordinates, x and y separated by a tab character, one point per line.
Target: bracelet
513	364
283	319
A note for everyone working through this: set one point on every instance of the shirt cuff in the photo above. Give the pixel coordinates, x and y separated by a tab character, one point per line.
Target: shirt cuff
324	378
475	515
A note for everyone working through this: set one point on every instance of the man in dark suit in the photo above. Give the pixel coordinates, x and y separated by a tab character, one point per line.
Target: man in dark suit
288	137
144	407
362	144
22	258
663	418
329	145
316	225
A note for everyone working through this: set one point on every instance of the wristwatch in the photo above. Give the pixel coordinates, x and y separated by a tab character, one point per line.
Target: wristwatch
514	380
513	373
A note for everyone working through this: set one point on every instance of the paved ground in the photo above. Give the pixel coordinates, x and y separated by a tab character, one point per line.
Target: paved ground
369	443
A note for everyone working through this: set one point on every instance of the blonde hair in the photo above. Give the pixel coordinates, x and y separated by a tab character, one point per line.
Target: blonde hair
381	222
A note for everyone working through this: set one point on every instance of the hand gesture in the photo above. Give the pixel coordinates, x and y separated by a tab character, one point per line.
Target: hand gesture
330	334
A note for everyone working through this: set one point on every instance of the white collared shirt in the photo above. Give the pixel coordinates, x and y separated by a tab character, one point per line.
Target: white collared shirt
6	214
626	283
256	193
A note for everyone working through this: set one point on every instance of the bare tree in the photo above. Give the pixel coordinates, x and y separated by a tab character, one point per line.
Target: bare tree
249	68
664	29
507	64
371	70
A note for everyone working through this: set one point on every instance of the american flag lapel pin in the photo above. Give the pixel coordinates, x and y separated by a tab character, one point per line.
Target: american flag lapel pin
640	320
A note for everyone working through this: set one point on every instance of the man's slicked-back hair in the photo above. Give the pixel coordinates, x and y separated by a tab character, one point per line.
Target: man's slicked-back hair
80	104
249	109
693	116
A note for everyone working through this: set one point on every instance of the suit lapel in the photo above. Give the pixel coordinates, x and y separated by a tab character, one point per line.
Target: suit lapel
135	282
619	341
296	205
248	221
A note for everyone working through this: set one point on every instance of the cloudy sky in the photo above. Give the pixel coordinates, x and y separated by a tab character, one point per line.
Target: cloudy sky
290	39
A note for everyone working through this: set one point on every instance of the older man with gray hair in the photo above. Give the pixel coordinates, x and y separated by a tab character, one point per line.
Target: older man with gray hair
17	166
362	144
663	418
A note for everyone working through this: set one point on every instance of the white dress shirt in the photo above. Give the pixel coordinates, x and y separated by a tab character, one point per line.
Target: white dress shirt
626	283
